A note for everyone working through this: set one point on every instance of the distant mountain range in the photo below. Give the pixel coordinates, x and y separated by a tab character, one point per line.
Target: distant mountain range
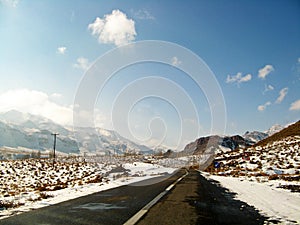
255	136
289	131
274	129
34	132
220	144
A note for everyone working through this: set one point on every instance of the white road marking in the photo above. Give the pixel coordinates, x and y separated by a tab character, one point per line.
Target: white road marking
134	219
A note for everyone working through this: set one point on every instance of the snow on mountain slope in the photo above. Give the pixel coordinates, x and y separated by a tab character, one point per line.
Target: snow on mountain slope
103	141
34	132
255	136
33	138
274	129
277	157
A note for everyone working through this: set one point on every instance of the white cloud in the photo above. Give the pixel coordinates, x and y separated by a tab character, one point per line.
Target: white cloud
268	88
246	78
36	103
263	107
238	78
82	63
295	105
91	118
175	61
283	92
143	14
40	103
114	28
61	50
56	95
11	3
265	71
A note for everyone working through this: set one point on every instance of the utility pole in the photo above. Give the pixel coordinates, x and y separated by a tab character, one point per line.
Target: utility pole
54	145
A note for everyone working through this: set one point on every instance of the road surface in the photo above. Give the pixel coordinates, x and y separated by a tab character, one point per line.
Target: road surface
114	206
194	200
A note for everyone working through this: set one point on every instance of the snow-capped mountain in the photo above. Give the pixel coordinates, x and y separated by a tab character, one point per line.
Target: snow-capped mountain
35	132
229	143
255	136
34	135
102	141
274	129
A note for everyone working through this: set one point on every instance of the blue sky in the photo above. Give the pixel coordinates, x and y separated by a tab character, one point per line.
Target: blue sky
47	46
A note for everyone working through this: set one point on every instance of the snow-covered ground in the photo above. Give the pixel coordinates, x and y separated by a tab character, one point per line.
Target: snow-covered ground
277	203
266	176
31	184
276	160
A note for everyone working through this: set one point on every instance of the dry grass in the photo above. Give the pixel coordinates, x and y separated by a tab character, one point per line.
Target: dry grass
19	176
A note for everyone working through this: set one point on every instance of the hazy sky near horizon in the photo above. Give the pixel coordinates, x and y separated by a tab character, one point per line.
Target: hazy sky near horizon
251	47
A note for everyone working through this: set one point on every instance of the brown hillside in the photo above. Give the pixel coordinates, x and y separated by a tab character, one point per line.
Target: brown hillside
291	130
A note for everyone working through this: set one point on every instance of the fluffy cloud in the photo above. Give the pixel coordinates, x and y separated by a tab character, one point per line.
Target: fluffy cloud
238	78
82	63
114	28
175	61
61	50
295	105
265	71
283	92
56	95
36	103
263	107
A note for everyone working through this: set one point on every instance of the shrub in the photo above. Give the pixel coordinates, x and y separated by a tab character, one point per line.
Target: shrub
273	177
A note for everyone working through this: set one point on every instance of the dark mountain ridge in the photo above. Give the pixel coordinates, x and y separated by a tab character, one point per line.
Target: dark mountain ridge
201	144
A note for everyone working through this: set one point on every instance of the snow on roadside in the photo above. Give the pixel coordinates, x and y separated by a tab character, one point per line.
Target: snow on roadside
147	169
114	175
276	203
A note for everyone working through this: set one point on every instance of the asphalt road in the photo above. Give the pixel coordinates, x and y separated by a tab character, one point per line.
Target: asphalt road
114	206
194	200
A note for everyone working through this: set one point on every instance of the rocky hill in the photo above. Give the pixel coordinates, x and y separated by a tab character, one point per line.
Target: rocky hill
220	144
276	157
